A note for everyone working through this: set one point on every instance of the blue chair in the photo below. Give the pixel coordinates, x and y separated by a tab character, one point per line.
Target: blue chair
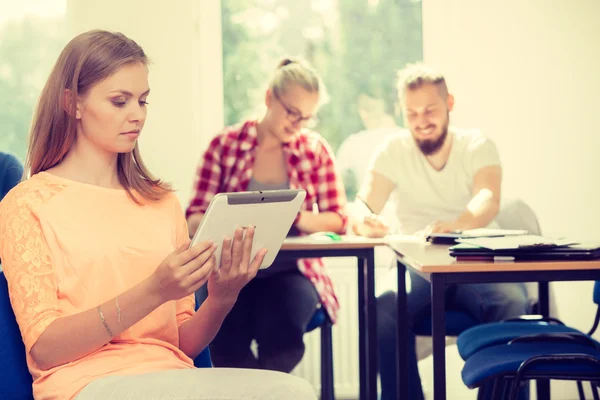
203	359
16	382
530	348
537	357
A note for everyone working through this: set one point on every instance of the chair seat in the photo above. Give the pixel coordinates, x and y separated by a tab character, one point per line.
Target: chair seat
456	322
506	359
486	335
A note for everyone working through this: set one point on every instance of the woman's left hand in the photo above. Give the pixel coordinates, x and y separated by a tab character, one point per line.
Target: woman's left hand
235	269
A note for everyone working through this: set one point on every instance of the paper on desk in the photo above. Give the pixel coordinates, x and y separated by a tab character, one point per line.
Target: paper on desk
320	237
515	242
483	232
397	241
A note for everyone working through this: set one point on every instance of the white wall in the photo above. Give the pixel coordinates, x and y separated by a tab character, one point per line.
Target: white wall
183	41
526	73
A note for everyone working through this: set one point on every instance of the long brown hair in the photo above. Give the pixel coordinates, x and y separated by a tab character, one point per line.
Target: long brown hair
87	59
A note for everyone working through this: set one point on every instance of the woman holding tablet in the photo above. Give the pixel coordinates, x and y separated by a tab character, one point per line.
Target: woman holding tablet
95	250
276	152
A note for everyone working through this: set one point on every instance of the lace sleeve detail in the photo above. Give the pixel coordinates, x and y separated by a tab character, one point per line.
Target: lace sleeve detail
26	262
185	308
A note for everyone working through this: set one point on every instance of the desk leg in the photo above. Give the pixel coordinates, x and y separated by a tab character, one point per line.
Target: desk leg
362	331
438	319
367	325
371	304
543	385
401	335
544	298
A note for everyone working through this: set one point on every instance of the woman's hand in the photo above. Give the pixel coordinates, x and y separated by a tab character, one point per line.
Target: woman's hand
184	271
236	270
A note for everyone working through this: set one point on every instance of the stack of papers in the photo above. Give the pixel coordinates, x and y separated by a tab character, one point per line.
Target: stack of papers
524	247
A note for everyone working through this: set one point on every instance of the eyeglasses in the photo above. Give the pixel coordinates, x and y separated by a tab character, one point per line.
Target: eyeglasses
295	117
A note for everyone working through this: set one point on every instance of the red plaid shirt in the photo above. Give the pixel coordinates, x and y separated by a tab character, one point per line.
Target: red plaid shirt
228	164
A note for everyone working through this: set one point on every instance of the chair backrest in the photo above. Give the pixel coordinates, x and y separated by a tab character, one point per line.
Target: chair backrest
15	380
203	360
516	214
597	292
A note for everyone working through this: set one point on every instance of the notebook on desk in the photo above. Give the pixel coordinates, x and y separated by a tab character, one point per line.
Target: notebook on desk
453	237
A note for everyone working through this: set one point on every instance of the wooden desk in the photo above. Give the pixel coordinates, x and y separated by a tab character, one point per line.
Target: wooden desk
364	250
434	263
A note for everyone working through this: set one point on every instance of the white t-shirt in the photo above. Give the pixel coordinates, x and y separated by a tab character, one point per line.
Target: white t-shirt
424	195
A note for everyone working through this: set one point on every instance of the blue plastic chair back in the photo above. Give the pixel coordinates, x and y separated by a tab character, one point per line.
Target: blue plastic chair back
203	360
597	292
15	381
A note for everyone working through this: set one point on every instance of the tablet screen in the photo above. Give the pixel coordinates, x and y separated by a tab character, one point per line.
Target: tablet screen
272	212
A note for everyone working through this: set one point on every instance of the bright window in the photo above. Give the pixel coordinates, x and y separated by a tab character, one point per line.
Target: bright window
32	35
356	45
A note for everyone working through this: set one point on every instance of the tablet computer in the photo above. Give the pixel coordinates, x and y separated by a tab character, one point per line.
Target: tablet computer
272	212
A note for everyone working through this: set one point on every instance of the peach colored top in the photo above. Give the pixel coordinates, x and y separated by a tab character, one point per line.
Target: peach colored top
67	247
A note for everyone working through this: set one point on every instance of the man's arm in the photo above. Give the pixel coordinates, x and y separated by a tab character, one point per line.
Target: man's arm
374	193
484	205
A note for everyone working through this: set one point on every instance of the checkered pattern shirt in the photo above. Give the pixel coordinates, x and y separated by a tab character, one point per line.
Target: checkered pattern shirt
228	164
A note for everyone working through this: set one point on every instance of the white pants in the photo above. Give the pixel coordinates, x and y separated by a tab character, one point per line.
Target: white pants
200	384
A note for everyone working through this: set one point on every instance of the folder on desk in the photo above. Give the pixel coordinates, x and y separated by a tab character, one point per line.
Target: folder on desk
545	251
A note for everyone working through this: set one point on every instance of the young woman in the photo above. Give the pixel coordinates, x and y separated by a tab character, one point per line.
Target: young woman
95	250
275	152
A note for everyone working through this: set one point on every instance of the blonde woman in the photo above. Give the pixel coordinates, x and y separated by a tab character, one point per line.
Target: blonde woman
276	152
95	249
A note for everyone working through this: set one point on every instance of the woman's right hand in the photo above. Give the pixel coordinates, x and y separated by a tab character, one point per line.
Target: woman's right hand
184	271
236	268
